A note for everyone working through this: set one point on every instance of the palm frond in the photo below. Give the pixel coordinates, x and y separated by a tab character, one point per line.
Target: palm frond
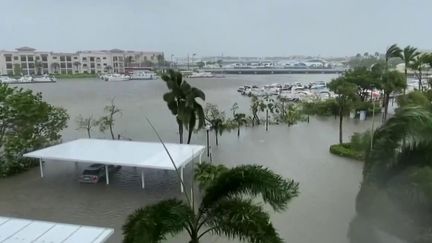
152	223
206	173
241	219
252	180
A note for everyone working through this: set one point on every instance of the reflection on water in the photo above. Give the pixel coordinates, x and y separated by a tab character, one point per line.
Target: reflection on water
328	184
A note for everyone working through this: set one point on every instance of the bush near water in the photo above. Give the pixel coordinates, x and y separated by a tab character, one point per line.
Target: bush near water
27	123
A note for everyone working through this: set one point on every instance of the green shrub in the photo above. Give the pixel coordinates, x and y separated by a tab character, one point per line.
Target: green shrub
346	150
76	75
327	107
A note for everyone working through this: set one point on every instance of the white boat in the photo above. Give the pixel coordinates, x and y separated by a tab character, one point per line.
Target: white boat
44	78
318	85
201	75
7	79
117	77
142	75
25	79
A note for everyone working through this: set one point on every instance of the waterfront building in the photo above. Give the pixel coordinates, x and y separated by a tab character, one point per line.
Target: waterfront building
29	61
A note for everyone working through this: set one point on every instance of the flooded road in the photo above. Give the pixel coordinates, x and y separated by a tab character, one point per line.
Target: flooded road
328	184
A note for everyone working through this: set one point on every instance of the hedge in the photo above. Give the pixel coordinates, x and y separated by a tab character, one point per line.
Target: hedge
346	150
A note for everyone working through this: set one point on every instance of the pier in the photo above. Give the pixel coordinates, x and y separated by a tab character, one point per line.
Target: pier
275	70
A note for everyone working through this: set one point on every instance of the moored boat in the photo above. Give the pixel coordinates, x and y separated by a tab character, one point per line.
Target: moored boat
117	77
7	79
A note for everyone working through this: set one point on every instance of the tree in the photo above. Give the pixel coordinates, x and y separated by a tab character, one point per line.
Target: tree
418	66
86	123
219	62
55	66
346	95
238	118
364	79
392	81
226	208
290	114
216	119
17	70
200	64
395	196
38	66
27	123
161	60
392	52
108	120
77	66
256	106
182	102
408	56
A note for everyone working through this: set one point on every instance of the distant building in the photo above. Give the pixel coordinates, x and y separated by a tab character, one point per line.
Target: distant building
28	61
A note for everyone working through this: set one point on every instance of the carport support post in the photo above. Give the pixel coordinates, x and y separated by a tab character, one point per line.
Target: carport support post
181	177
106	174
142	178
41	168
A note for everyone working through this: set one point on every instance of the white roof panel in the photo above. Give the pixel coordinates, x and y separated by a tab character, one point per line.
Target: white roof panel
13	230
119	152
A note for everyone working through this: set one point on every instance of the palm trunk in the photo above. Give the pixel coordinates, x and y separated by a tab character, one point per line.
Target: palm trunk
216	137
189	135
340	125
386	103
88	133
180	128
238	131
267	123
406	78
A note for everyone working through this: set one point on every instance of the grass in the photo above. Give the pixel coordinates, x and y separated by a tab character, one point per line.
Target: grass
346	150
76	75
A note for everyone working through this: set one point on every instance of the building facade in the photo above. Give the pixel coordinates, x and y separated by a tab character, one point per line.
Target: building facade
29	61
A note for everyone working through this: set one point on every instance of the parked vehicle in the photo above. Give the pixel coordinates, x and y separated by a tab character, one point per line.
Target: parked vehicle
96	172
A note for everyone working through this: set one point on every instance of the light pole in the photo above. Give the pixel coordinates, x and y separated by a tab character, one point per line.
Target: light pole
172	64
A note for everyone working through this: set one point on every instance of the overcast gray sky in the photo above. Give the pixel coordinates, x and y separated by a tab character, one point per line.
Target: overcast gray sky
231	27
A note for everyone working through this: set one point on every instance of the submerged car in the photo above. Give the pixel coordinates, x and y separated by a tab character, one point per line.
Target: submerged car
96	172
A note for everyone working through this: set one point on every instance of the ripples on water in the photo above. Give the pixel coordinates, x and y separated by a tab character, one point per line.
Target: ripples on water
328	184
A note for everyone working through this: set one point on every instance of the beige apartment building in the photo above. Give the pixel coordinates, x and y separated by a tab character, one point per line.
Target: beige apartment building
29	61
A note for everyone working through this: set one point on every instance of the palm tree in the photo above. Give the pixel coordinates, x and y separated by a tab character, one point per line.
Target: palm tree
346	95
391	81
55	66
408	55
391	52
216	119
395	196
38	67
77	66
226	208
240	120
181	100
418	65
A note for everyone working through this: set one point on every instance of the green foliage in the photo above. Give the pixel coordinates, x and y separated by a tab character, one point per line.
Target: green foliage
327	107
415	98
17	70
27	123
395	195
346	150
200	64
107	121
290	114
391	81
392	52
360	142
182	102
216	119
227	207
75	75
86	123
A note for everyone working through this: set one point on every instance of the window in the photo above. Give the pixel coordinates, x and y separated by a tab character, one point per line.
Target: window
75	58
31	65
62	65
84	59
44	58
23	58
69	58
69	65
8	65
104	58
92	65
92	59
45	65
54	57
15	58
115	59
8	58
30	58
62	58
37	58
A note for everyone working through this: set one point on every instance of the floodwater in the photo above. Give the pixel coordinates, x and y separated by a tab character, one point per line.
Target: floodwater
328	184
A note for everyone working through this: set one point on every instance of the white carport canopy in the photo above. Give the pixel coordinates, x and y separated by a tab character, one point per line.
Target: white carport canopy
14	230
119	152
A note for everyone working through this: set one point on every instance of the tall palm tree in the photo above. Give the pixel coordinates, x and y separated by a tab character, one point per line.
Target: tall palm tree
181	100
216	119
391	81
240	120
391	52
226	208
409	53
418	66
395	196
